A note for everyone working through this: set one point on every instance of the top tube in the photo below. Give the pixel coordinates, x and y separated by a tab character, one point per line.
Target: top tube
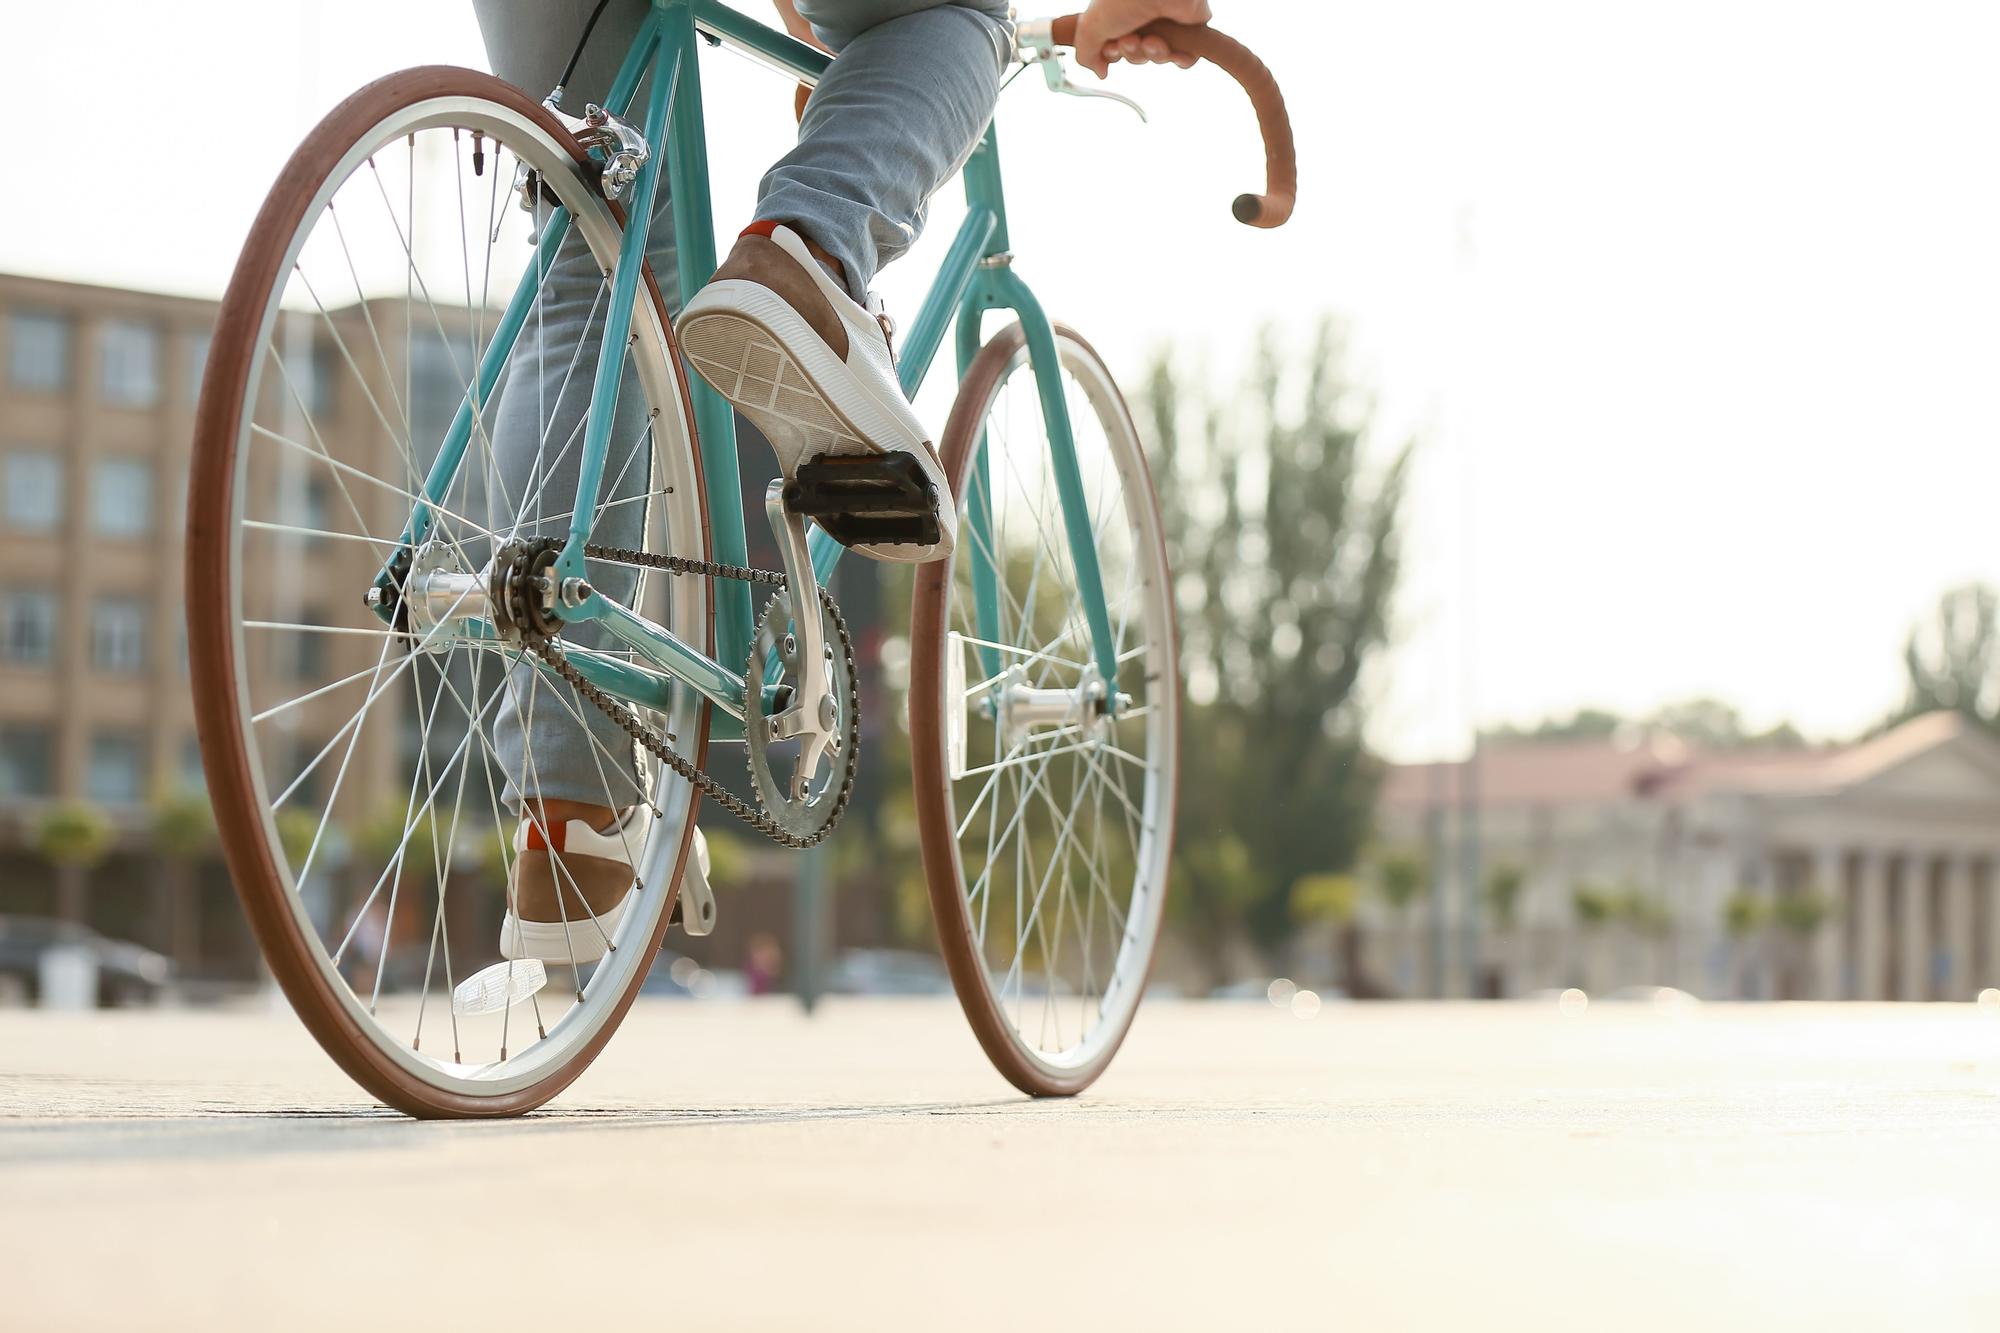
779	50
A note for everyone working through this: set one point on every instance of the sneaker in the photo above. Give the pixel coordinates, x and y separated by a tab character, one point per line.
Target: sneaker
817	399
569	913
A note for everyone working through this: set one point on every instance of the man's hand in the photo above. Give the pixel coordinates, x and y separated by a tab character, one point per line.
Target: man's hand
1107	33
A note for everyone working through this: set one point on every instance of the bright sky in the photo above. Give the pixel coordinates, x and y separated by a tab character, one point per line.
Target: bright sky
1694	304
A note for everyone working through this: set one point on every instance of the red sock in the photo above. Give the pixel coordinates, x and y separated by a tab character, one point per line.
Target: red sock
763	229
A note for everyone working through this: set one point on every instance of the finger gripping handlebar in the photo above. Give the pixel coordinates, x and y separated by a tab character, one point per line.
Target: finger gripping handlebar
1281	168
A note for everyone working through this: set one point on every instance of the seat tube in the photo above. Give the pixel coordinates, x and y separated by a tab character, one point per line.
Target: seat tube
694	240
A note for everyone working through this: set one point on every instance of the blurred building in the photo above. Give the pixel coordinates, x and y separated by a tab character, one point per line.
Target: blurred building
97	393
97	400
97	404
1865	871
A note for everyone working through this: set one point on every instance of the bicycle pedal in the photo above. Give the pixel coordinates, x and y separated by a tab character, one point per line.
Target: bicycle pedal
866	499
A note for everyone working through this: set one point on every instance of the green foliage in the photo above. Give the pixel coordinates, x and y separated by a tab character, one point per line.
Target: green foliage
1286	570
73	833
728	858
1746	913
1503	893
384	831
1400	877
1642	913
1586	724
1802	914
296	829
1953	661
183	824
1708	724
1330	898
1594	905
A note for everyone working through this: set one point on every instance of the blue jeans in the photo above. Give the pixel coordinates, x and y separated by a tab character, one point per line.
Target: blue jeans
911	87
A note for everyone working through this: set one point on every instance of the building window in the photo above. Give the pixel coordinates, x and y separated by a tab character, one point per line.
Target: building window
38	351
308	505
308	649
27	626
117	768
128	363
121	499
118	634
31	490
26	769
437	386
197	345
305	372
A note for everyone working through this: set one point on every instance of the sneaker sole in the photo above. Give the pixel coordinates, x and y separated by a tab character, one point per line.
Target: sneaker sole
740	353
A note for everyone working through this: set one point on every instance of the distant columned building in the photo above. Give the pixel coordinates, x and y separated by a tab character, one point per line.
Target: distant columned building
1865	871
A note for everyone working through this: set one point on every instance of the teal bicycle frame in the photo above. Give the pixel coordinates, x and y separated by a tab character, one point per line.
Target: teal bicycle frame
975	277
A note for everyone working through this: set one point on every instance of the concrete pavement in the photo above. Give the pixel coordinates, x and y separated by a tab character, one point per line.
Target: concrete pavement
741	1166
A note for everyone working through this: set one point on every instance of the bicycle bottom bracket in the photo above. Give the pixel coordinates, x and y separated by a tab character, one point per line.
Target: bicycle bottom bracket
867	499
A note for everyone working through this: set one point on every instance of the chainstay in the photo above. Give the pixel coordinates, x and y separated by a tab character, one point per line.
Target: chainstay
628	721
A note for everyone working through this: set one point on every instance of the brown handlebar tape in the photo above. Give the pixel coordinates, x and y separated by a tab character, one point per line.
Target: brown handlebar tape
1281	167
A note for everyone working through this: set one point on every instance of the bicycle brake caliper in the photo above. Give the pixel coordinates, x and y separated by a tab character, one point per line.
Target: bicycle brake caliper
624	148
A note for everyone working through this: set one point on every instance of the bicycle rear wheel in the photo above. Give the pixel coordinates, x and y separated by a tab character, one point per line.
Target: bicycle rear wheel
363	773
1046	820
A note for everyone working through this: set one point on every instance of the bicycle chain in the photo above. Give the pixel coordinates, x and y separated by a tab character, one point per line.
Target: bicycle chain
755	816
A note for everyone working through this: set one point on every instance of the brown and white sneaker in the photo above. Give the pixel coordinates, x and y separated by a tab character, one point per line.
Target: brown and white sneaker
813	371
569	891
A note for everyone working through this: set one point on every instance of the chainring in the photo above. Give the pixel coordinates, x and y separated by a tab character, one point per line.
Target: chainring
811	813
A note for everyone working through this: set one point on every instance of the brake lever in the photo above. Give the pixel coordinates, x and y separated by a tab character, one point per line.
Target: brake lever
1038	47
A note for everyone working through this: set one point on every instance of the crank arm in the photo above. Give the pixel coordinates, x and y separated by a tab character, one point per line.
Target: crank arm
811	714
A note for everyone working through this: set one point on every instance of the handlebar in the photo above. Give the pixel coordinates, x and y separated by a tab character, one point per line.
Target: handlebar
1281	168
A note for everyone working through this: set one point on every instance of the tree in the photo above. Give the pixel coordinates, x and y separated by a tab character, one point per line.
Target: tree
73	837
1706	723
1953	661
1401	878
1503	893
1586	724
1745	916
1745	913
1287	547
1333	900
1800	916
183	829
1594	906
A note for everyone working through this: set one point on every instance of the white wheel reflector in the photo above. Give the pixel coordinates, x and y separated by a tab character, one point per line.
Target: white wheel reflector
499	986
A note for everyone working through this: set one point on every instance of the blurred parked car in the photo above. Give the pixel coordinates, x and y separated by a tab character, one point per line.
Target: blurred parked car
887	972
1659	997
126	973
678	977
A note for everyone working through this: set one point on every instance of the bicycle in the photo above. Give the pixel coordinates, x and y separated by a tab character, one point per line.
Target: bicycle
365	586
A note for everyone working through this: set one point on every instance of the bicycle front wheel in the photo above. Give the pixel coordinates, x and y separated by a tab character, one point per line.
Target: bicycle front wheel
1045	794
368	760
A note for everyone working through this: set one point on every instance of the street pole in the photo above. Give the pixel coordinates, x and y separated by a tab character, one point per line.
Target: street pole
810	912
